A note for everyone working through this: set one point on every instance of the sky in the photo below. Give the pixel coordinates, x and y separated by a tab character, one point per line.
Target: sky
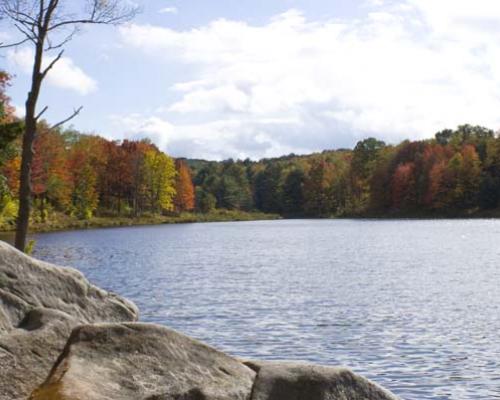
261	78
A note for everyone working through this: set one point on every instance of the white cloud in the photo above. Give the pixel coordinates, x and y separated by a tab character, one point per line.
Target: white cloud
168	10
19	111
407	69
65	74
221	139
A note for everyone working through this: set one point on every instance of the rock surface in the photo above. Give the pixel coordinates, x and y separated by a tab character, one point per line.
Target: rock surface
62	338
300	381
40	304
143	361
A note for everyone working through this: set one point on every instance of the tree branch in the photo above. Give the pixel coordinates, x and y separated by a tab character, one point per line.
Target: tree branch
41	113
5	46
75	113
52	63
62	42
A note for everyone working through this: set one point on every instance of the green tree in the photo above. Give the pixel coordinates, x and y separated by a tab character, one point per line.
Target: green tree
318	189
293	193
363	163
268	189
234	192
205	201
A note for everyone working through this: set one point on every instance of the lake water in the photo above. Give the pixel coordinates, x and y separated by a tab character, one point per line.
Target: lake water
413	305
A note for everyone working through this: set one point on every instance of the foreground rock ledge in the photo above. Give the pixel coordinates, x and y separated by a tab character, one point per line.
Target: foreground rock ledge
301	381
40	304
139	361
62	338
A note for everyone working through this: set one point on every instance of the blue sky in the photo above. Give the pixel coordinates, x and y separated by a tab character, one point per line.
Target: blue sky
225	78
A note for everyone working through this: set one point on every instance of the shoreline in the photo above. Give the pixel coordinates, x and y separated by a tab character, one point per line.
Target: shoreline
66	223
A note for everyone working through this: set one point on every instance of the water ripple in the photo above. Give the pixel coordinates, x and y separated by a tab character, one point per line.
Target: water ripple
412	304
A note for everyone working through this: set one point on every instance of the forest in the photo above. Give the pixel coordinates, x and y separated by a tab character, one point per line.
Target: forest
456	173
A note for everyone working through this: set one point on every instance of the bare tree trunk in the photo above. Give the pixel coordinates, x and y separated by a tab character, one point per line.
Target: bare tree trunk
25	179
27	153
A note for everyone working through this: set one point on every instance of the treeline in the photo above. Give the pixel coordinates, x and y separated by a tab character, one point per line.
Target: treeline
455	173
83	175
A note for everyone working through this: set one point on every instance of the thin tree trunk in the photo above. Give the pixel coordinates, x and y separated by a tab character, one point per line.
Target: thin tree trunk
25	179
27	152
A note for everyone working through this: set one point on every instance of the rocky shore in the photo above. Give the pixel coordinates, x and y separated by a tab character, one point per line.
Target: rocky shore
61	338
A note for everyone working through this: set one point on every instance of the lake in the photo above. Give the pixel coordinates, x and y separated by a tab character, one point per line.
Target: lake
412	304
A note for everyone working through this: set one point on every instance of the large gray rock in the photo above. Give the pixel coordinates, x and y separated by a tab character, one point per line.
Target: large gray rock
143	361
300	381
39	306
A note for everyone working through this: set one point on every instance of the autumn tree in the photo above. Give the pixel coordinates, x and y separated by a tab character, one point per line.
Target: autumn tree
122	184
363	162
131	157
84	165
159	175
403	187
48	25
10	129
184	199
469	177
49	171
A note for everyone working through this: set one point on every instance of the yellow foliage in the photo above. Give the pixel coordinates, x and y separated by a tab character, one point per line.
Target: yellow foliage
160	173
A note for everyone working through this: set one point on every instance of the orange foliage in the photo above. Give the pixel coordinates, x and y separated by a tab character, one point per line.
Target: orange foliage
49	171
403	185
184	199
11	170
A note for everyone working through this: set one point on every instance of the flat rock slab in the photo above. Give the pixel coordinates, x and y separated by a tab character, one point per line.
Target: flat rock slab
40	304
143	361
300	381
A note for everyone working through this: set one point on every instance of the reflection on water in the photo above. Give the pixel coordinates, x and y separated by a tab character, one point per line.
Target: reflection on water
411	304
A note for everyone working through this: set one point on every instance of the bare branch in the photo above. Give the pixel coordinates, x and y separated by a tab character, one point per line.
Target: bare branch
5	46
75	113
101	13
28	35
52	63
37	19
67	39
41	113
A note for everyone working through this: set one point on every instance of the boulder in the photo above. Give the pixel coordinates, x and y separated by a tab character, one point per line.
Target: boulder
301	381
143	361
40	304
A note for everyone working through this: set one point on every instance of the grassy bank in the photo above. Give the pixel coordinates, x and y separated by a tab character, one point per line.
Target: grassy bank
61	222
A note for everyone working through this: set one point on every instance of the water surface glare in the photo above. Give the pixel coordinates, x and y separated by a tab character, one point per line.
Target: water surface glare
413	305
